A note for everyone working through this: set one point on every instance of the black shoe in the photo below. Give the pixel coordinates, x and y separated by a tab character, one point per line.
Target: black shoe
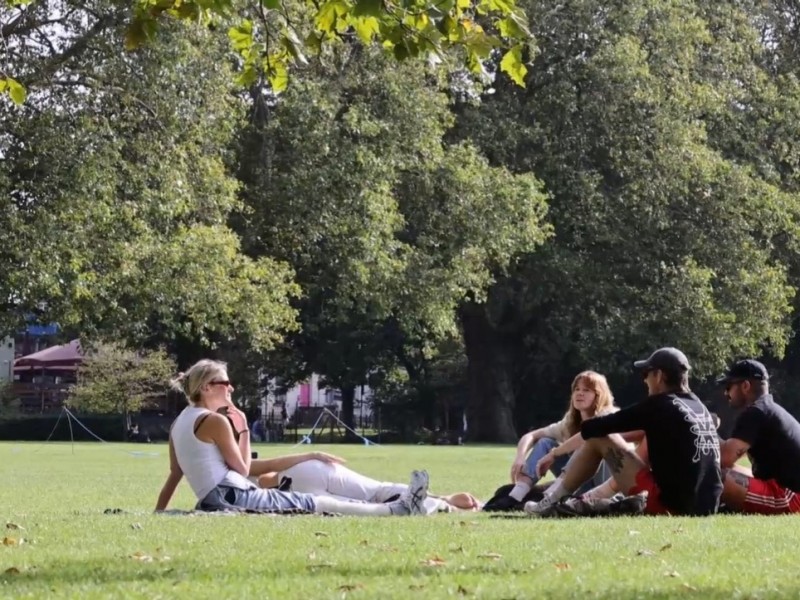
285	484
503	504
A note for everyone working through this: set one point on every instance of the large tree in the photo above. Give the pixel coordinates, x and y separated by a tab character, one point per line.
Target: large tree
389	228
660	237
115	192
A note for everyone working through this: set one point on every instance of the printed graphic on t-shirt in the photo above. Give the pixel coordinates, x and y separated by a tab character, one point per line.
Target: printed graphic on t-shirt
705	433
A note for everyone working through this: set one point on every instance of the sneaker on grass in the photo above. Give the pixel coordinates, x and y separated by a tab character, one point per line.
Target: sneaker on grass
411	502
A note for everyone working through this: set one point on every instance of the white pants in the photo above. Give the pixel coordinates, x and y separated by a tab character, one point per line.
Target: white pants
337	481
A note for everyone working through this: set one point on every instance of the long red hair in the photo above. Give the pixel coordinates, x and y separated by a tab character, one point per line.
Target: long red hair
604	399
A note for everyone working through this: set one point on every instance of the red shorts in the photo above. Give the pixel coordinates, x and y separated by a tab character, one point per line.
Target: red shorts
646	483
770	498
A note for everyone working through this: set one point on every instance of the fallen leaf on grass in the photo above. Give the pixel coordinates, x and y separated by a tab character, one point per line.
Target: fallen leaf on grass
12	571
14	526
665	547
136	525
141	556
645	553
364	542
633	532
492	555
562	566
463	591
321	533
688	587
349	587
434	561
312	555
417	586
10	541
672	574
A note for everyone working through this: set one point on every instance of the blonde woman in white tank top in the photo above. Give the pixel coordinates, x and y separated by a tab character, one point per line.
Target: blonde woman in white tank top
203	447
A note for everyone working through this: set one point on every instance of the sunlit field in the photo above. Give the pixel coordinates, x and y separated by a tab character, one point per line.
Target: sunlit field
78	523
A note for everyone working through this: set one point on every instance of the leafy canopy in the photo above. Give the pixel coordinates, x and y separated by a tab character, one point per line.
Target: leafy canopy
271	36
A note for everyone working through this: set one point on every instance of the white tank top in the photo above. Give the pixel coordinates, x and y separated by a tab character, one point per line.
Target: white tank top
201	462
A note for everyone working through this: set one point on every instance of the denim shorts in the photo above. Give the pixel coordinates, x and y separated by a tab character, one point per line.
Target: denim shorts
224	497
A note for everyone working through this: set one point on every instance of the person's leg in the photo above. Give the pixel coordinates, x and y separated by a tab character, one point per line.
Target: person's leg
528	478
736	485
623	462
742	492
347	483
411	502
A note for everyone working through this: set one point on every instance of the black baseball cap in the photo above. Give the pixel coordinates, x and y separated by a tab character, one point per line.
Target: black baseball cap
745	369
664	359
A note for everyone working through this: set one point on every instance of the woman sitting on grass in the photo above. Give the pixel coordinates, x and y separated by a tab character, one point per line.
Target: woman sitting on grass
330	478
549	448
203	447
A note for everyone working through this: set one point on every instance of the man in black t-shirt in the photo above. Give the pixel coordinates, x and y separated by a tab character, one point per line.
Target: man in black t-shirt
770	437
678	465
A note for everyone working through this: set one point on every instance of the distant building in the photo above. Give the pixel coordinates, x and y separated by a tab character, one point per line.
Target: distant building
308	395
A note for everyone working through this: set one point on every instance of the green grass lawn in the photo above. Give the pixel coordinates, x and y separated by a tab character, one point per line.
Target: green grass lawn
70	548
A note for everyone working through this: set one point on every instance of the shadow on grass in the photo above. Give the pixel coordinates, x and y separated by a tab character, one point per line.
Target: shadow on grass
101	573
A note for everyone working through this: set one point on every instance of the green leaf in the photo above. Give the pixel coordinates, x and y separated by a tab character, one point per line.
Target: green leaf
512	65
509	29
417	21
447	25
328	15
241	36
519	17
16	90
271	4
247	76
313	42
293	46
481	44
277	75
366	28
134	36
502	6
368	8
3	85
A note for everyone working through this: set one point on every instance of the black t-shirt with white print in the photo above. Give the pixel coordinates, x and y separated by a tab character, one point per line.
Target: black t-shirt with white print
682	444
774	438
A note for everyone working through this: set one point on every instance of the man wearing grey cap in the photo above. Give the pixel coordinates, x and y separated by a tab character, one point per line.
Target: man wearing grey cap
769	435
680	466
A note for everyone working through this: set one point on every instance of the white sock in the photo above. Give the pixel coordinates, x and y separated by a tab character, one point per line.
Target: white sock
555	492
356	509
519	491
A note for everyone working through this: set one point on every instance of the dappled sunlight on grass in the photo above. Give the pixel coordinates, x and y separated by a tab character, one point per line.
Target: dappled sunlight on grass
65	546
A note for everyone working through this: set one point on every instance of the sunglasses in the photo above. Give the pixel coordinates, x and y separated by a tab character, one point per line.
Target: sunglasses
225	382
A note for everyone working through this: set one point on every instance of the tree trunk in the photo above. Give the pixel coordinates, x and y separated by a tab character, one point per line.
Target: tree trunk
490	375
348	405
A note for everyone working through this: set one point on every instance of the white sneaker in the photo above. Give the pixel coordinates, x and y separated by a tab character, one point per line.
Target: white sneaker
413	499
542	508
